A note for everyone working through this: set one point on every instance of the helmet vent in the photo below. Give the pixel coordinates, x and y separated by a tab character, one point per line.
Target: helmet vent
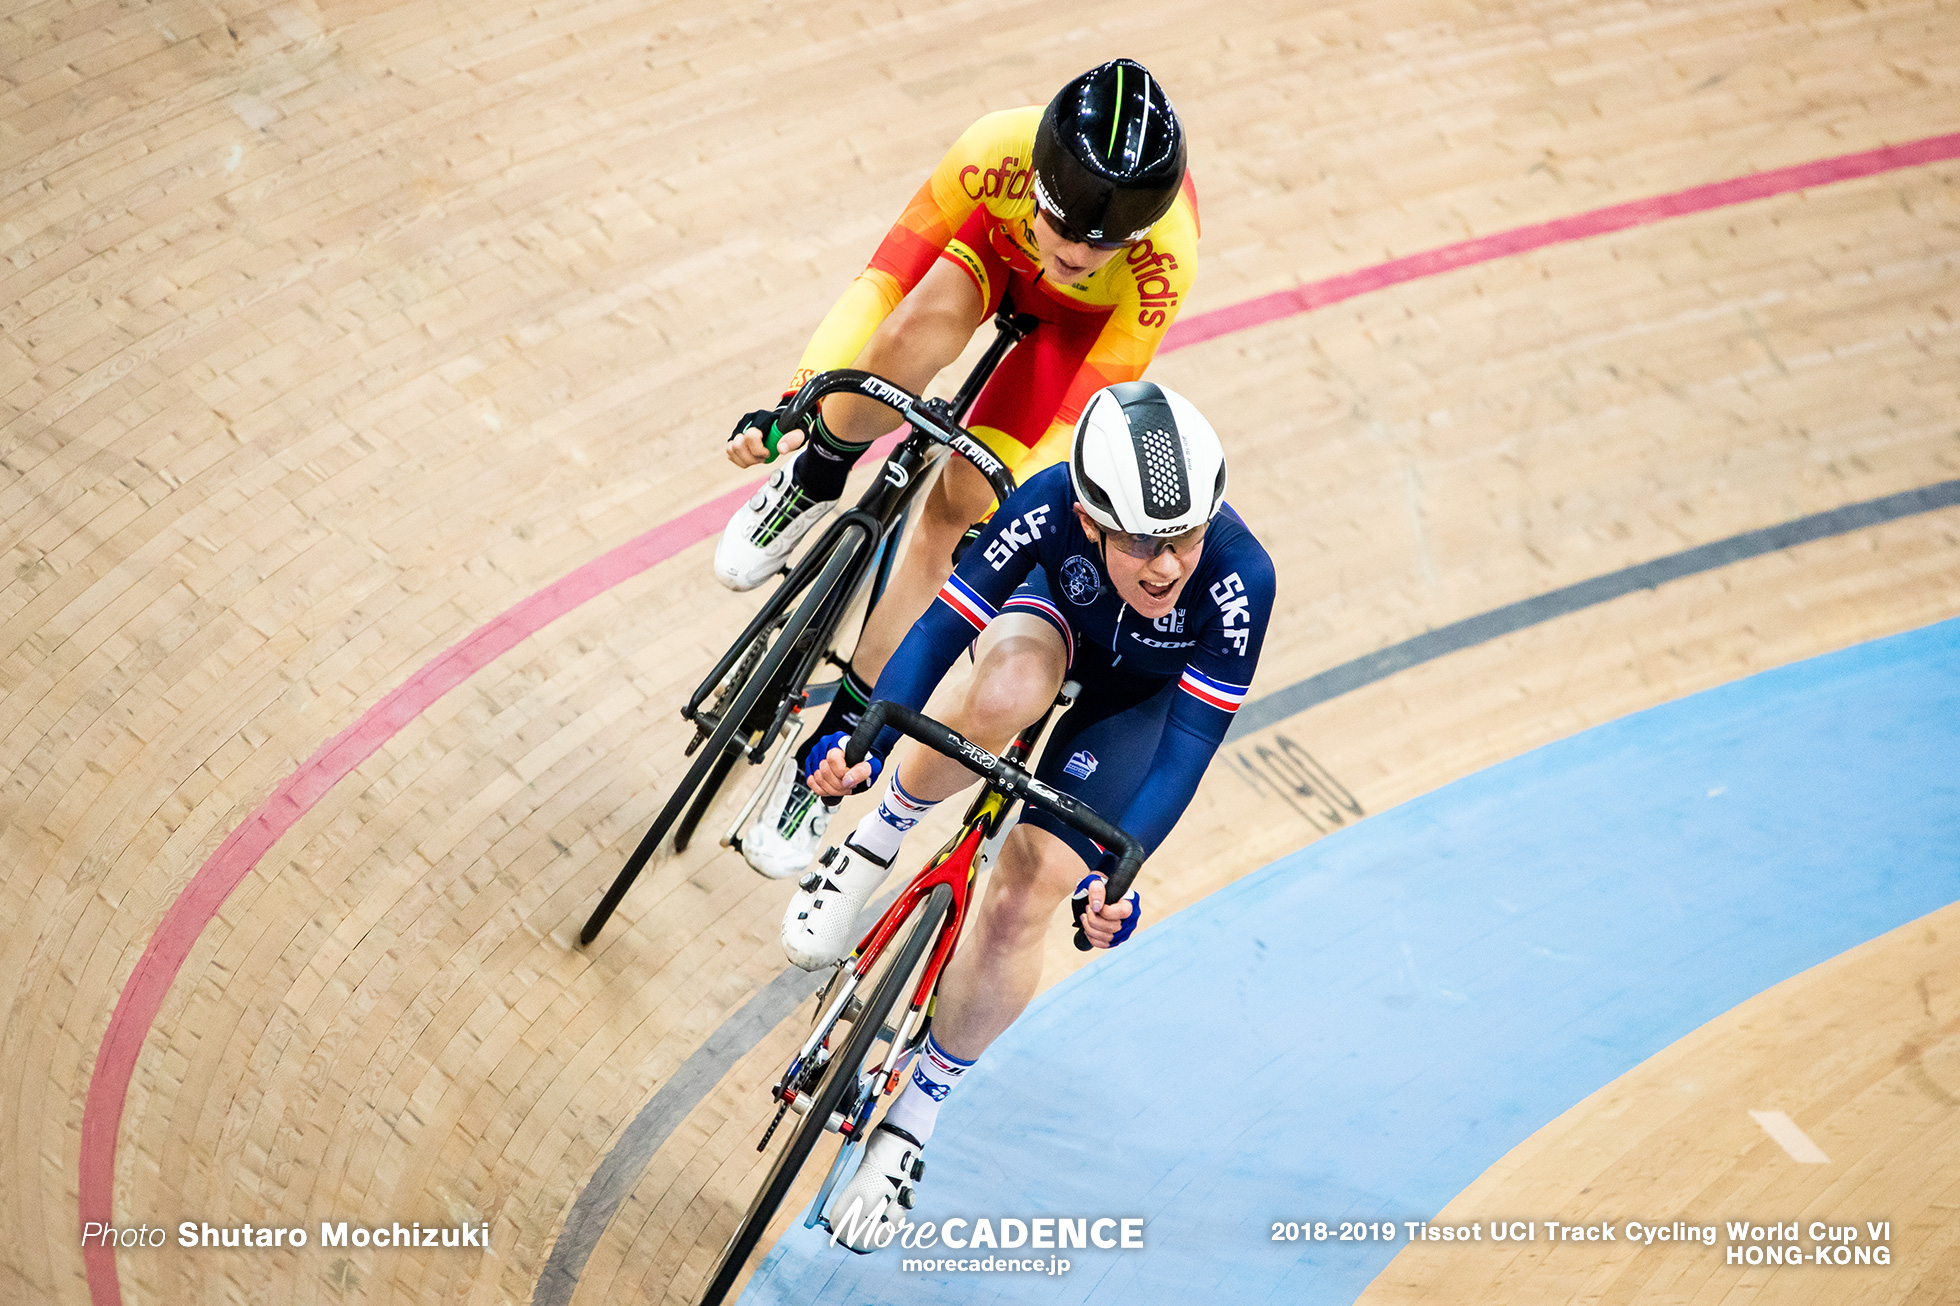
1160	466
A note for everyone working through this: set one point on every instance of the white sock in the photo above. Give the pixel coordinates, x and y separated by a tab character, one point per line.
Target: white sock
884	829
916	1110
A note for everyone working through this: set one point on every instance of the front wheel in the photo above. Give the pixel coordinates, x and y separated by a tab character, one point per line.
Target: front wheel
840	1077
841	563
705	796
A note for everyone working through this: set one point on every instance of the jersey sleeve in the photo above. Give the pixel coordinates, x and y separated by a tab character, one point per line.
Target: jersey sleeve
990	570
914	242
1214	684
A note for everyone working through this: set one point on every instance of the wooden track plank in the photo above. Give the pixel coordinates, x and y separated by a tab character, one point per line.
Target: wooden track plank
471	304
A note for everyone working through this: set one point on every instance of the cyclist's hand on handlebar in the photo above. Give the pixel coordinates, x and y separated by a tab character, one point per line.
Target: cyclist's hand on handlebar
748	443
830	778
1106	925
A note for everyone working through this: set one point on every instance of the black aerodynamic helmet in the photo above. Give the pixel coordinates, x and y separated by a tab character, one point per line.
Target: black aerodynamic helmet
1109	155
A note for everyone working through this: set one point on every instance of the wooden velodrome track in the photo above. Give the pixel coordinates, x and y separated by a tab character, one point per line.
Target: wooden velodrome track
334	331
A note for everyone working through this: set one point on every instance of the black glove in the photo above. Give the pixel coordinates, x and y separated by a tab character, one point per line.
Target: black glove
767	421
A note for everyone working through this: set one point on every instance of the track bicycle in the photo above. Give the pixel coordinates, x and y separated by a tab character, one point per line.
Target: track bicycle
835	1081
751	701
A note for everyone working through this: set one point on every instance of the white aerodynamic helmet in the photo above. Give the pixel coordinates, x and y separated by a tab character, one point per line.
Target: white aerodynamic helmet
1145	461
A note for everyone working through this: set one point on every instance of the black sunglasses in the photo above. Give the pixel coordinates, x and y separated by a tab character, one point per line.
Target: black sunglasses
1063	230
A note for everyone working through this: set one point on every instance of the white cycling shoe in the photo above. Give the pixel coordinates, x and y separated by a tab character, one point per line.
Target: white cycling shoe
820	924
885	1184
788	828
764	531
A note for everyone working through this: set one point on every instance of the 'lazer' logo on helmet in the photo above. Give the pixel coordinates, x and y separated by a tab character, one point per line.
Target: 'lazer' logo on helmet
1153	286
1007	180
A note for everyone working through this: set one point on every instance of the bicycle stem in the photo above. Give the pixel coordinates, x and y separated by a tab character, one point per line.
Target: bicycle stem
1007	775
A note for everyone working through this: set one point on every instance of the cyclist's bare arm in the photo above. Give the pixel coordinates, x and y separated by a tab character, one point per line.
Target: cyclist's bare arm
924	334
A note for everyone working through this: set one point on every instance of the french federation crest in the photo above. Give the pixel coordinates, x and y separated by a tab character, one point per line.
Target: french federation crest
1079	580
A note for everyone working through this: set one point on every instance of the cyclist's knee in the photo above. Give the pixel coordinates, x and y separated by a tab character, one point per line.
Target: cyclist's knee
1034	873
960	497
929	327
1017	678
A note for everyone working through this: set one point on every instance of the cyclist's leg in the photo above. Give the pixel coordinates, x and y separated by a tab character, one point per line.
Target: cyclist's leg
1023	652
927	330
924	334
1099	752
995	972
957	499
1020	663
1012	417
1018	668
992	976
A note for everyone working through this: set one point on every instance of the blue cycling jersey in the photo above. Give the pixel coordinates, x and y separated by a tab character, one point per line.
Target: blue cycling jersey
1034	556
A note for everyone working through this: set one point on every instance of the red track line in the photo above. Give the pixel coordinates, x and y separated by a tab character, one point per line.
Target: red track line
1522	240
144	991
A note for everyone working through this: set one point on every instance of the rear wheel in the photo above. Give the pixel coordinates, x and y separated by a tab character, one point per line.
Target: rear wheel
840	1079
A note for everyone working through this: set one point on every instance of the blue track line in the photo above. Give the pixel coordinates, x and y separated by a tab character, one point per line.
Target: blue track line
1361	1029
598	1202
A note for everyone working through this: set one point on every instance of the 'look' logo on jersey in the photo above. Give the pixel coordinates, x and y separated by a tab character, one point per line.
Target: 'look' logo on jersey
1235	609
1025	529
1153	284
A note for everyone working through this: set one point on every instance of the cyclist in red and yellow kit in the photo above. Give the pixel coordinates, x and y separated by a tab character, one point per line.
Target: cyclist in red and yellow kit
1081	215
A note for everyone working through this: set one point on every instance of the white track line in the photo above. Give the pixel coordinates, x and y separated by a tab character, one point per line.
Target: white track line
1792	1139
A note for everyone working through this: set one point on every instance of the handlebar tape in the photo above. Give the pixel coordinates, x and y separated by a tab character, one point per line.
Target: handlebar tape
942	739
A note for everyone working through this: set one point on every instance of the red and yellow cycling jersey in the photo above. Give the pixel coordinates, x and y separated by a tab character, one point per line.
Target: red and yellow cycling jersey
977	209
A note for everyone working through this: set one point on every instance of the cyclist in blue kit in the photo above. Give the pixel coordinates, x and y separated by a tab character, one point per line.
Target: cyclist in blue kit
1124	570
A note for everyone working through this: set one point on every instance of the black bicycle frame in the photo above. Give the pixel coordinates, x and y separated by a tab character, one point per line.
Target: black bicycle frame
934	422
838	562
